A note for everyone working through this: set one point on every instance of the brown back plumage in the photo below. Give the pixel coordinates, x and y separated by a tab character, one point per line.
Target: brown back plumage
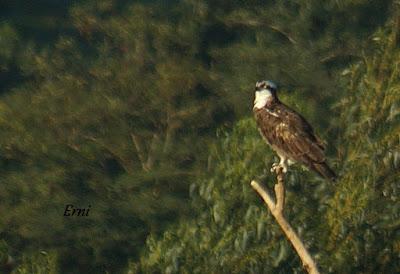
289	134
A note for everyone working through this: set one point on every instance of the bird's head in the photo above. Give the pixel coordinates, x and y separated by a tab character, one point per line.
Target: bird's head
265	92
266	85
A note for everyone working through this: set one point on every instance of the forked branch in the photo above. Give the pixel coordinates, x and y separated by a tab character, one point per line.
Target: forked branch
276	207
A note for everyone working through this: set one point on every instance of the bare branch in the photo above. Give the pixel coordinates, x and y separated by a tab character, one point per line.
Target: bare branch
280	192
124	164
339	53
169	133
263	23
140	151
152	150
264	193
276	209
287	35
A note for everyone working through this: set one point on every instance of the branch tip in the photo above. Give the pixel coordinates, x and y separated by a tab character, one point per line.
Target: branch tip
276	209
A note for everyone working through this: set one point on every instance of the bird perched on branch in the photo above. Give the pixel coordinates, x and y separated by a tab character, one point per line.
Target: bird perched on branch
288	133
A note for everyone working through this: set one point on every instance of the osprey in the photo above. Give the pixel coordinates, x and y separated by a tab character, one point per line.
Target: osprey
288	133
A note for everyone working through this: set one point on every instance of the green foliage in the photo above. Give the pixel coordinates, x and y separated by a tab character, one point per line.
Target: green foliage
353	230
115	104
233	233
40	263
112	118
9	39
302	43
363	216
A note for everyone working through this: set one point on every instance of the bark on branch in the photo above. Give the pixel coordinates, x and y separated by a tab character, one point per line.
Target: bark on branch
147	161
276	207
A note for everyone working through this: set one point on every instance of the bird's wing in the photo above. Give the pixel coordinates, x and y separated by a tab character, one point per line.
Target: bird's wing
295	136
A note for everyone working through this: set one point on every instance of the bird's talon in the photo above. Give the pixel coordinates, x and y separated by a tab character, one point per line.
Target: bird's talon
274	167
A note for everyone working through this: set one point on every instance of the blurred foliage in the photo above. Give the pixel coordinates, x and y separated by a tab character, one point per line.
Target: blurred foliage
363	216
115	104
38	263
350	227
232	232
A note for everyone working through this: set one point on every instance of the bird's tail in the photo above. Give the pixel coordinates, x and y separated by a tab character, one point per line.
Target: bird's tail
325	171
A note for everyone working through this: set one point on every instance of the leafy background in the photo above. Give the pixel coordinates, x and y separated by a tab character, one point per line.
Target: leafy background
142	109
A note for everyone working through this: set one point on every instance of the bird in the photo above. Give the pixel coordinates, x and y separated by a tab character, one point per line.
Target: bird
288	133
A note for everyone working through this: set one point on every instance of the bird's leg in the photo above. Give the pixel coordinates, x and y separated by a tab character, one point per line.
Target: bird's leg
283	163
274	167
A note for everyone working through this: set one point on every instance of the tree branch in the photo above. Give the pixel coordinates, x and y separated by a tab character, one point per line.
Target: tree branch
262	23
140	151
152	151
339	53
124	164
147	161
276	209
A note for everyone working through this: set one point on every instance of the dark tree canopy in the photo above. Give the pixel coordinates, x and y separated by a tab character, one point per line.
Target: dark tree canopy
141	109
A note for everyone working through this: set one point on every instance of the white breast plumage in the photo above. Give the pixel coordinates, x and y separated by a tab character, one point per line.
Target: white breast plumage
262	97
